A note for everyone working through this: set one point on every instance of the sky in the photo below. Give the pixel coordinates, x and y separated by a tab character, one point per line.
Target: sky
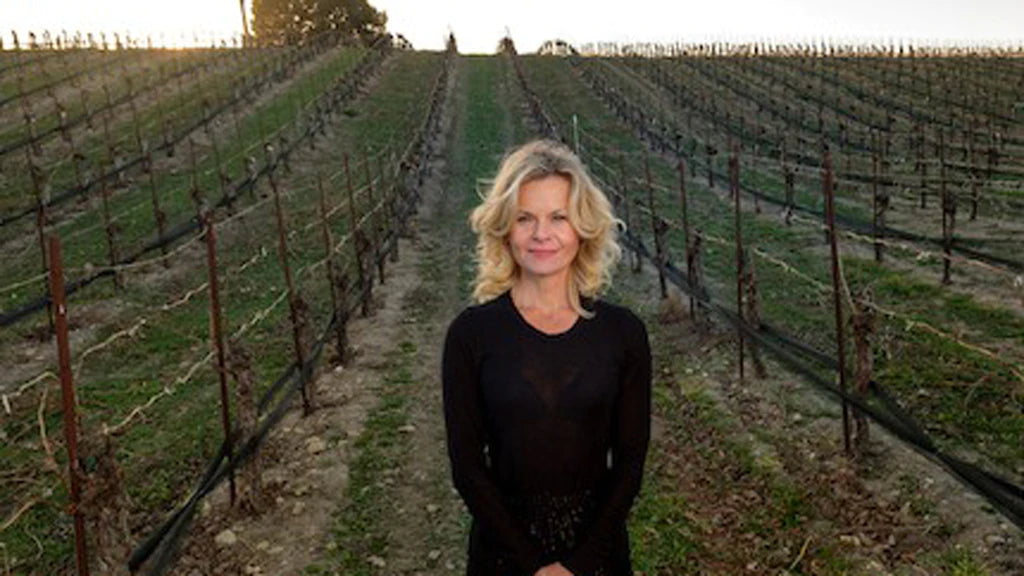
478	24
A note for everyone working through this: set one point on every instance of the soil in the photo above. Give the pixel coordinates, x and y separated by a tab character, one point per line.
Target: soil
890	511
861	510
31	354
305	467
294	529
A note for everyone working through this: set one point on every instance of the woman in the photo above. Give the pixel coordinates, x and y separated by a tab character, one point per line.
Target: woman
547	389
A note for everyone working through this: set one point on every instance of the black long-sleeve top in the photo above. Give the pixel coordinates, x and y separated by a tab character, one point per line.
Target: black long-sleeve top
547	436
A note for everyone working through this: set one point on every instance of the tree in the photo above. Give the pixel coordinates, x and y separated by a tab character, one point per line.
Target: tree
245	22
294	21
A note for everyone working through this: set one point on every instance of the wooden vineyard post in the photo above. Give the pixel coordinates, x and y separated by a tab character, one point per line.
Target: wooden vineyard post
752	310
710	150
39	187
237	102
223	180
844	142
218	342
388	199
628	212
923	167
948	212
77	158
734	189
147	167
757	200
364	281
790	181
373	219
399	197
113	253
166	140
830	223
878	220
282	250
885	173
686	231
340	316
194	191
863	323
657	229
973	172
69	403
694	272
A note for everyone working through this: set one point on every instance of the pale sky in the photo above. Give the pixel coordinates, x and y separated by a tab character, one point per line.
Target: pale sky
478	24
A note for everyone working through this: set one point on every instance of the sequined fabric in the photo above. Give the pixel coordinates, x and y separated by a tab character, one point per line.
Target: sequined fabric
556	522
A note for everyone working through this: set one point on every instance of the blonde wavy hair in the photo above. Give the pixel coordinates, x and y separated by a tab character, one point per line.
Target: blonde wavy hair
590	215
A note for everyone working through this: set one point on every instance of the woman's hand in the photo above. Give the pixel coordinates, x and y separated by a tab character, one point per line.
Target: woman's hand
555	569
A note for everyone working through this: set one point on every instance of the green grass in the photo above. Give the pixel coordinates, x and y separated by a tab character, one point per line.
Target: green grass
668	531
661	537
961	562
980	417
359	530
959	394
137	225
154	453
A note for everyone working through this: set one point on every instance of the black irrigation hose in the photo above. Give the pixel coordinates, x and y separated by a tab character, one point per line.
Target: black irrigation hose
78	190
8	318
930	115
866	228
165	540
173	528
599	84
1004	495
848	222
167	537
119	101
61	80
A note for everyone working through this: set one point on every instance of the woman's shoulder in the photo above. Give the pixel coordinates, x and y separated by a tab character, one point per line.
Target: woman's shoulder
622	318
477	314
613	311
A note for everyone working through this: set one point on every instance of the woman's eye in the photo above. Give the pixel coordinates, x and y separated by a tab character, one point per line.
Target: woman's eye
522	218
560	217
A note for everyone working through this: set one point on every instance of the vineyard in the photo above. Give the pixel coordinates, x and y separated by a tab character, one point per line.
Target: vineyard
204	247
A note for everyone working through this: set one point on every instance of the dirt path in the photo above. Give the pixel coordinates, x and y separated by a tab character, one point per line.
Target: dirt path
315	481
307	460
404	517
740	479
425	524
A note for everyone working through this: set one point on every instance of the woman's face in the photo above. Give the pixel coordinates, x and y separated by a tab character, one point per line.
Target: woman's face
542	241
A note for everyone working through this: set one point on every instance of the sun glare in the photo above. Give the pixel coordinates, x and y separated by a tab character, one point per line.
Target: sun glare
182	23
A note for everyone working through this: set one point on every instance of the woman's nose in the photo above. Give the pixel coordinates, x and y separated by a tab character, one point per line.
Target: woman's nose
541	230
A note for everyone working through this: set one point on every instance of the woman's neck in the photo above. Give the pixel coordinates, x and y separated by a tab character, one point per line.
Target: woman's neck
546	293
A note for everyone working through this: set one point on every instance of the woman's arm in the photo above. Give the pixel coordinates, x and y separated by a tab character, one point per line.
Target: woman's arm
466	433
630	436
